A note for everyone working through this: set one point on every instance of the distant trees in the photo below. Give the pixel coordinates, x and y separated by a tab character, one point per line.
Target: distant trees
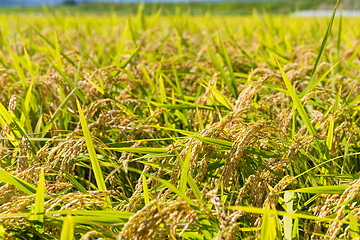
69	2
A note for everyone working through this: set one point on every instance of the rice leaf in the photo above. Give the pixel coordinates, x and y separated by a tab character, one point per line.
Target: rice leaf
354	227
78	93
322	190
282	213
213	141
194	187
329	138
17	65
38	213
201	124
315	82
100	215
217	63
167	184
67	230
268	227
93	157
184	171
229	66
101	90
52	45
75	182
17	182
144	150
145	190
220	97
57	112
132	55
325	39
288	220
299	105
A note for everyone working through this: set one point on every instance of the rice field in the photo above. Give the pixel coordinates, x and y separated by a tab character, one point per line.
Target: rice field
179	127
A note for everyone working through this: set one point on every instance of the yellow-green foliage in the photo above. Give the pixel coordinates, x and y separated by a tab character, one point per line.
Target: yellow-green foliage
179	127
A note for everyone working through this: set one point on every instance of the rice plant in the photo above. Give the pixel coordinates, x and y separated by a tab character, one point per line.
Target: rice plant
179	127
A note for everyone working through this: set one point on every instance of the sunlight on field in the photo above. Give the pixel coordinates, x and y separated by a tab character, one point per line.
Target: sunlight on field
179	127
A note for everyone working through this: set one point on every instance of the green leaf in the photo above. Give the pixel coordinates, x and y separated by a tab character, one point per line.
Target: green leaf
52	45
217	63
312	84
78	93
38	213
354	227
184	171
325	39
126	62
144	150
67	231
229	66
219	96
167	184
268	227
322	190
299	105
17	182
282	213
93	157
75	182
145	190
288	220
57	112
194	187
213	141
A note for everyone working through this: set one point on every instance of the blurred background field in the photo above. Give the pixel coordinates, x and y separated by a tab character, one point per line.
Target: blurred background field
196	7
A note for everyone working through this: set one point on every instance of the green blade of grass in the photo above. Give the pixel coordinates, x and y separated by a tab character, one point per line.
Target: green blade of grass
145	190
144	150
288	220
325	39
203	221
213	141
184	171
99	88
17	64
75	182
321	190
126	62
314	83
39	209
17	129
167	184
190	179
67	230
78	93
229	66
194	187
219	96
282	213
354	227
222	71
57	113
299	105
267	227
92	153
121	46
329	138
52	44
17	182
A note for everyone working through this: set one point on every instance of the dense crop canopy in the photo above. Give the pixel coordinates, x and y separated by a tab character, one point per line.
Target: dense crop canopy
154	127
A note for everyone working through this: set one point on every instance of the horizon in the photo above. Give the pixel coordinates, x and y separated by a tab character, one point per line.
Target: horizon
58	2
